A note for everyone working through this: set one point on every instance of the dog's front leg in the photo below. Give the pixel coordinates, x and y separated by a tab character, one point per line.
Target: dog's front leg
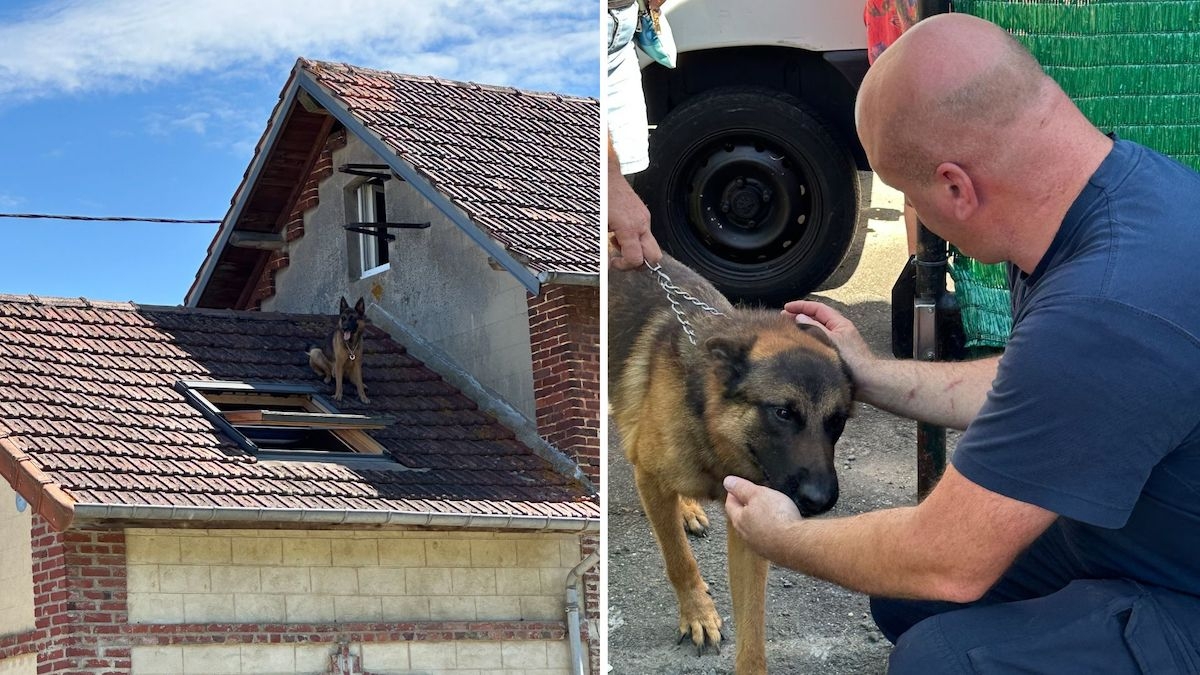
356	378
339	370
697	614
748	585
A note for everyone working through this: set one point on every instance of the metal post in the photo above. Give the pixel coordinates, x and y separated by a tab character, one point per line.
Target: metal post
929	296
930	289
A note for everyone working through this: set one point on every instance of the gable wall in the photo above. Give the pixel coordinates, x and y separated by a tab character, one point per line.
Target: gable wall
440	283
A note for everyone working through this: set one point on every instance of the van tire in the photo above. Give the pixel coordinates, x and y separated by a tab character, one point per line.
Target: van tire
752	190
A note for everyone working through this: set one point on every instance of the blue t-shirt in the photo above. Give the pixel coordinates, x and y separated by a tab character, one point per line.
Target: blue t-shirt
1095	408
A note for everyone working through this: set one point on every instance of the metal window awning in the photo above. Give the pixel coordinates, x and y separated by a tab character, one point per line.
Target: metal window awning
381	229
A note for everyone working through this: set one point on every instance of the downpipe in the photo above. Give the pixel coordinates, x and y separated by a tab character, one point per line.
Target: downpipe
579	655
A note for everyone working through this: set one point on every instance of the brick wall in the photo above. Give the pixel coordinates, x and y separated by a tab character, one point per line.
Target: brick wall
264	286
564	335
148	601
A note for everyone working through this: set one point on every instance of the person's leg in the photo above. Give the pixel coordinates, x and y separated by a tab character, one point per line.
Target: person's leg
1091	626
1045	567
627	126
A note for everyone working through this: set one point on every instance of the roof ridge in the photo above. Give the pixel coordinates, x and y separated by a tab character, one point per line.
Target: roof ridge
468	84
230	313
62	301
134	306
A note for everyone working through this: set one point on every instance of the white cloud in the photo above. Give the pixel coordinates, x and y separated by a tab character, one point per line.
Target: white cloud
78	46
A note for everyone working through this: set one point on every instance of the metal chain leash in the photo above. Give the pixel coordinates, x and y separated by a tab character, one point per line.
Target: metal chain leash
672	291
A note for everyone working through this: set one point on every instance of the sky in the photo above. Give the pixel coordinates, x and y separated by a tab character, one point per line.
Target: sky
152	109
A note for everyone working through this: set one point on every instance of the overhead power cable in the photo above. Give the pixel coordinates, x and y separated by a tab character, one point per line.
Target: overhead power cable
108	218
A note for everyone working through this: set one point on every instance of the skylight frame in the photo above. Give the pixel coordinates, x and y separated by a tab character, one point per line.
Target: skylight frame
321	415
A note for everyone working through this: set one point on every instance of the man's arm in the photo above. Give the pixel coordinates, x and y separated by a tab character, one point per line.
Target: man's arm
946	394
941	393
953	546
628	220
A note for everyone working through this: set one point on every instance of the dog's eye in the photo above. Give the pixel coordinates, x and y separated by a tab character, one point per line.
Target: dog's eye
784	414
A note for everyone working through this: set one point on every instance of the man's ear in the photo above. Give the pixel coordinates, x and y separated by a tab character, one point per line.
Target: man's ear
730	358
958	190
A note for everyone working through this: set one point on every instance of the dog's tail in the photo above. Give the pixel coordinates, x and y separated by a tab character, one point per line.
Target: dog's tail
319	362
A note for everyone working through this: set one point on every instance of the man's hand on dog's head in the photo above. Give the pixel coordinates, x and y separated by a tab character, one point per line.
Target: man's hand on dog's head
850	344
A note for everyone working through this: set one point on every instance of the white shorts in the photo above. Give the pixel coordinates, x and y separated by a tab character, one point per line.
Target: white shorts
626	103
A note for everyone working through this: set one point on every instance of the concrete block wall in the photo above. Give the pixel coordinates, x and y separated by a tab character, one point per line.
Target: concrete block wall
269	576
25	664
482	657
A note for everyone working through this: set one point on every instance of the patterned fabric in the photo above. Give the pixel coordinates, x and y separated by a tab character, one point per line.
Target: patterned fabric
886	20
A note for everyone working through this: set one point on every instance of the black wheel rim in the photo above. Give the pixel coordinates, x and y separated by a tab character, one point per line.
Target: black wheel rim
747	203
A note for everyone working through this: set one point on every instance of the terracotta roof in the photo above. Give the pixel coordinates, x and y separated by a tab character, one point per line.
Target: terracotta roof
523	165
518	169
88	410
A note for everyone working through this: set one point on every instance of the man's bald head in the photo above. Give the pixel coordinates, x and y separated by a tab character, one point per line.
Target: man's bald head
947	90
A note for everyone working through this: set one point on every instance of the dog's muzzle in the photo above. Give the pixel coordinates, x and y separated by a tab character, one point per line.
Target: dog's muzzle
813	492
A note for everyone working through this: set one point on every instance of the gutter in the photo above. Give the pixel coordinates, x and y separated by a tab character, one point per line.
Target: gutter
50	501
376	518
569	278
42	493
579	664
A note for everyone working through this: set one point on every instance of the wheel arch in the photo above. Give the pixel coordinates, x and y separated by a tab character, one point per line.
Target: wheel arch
827	83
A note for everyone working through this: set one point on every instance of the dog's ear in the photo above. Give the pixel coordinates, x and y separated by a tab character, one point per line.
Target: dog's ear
360	307
730	357
344	306
817	332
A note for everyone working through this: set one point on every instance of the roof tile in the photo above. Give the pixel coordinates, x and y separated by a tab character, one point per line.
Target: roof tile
463	136
87	391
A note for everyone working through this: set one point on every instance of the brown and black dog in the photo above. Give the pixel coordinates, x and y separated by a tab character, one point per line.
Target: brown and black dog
756	396
342	352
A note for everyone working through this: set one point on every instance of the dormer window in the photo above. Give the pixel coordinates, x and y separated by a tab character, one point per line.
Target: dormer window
372	248
283	421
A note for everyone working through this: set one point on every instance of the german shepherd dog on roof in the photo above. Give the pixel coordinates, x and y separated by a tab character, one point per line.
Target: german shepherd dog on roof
342	352
756	395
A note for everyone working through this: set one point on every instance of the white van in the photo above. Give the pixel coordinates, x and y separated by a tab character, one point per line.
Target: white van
753	177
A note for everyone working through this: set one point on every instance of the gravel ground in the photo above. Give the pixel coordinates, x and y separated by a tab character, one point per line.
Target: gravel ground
812	626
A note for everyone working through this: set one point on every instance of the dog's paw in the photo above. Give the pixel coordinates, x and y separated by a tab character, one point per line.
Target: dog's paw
698	618
363	398
695	521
